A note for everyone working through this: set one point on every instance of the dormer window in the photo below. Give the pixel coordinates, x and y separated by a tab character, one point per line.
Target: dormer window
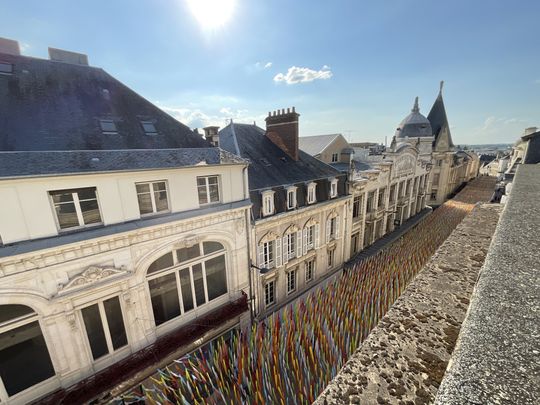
6	68
149	128
108	127
335	157
267	203
333	188
311	195
291	198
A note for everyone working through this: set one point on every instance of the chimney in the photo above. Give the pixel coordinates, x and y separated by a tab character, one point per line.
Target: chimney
282	130
9	46
530	130
74	58
211	135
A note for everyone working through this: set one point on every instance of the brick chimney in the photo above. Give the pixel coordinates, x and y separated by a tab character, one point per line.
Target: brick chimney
282	130
211	135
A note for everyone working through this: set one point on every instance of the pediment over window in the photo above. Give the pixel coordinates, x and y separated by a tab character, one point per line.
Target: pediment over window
268	237
311	222
291	229
91	275
332	214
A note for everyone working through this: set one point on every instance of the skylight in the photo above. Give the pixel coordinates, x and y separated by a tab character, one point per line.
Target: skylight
6	68
149	128
108	127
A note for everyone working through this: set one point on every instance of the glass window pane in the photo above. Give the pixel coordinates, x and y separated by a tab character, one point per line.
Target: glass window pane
163	262
24	358
159	186
203	198
214	193
189	253
161	201
61	196
212	180
143	188
185	286
113	311
201	181
107	125
87	194
145	203
211	247
90	212
13	311
198	283
94	331
164	296
67	216
216	278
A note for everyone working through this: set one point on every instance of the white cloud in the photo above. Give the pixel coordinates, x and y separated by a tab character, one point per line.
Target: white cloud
262	65
24	46
297	74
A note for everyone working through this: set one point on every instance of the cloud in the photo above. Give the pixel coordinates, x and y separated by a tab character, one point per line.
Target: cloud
196	118
24	46
262	65
297	74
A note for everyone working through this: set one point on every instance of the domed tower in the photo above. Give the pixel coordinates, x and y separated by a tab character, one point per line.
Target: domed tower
415	130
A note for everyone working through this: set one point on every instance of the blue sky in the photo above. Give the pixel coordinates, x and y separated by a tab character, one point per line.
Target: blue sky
348	66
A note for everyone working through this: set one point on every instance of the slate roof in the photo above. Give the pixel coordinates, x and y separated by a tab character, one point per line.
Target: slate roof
51	105
438	119
36	163
269	165
314	145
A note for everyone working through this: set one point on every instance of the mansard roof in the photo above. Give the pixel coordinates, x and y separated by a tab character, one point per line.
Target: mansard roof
439	121
51	105
269	165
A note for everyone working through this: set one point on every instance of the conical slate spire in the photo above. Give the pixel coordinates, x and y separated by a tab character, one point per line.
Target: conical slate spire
439	121
416	108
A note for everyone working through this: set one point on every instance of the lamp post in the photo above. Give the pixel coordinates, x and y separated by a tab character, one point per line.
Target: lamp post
261	270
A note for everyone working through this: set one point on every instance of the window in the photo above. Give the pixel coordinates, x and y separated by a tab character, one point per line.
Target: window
24	357
108	127
439	162
355	238
270	293
310	270
433	196
436	179
402	188
6	68
268	254
291	281
310	236
408	190
290	245
104	327
370	203
333	188
152	197
267	203
76	208
185	279
291	198
311	195
392	193
330	258
332	228
149	128
357	207
335	157
208	189
380	200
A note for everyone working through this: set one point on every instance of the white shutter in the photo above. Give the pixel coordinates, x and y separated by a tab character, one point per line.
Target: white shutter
305	239
277	243
299	244
260	255
317	244
285	250
328	230
337	227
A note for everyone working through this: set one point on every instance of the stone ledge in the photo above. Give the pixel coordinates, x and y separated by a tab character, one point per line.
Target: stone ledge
404	358
497	358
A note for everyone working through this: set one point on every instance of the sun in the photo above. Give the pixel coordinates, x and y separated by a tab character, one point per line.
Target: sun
212	14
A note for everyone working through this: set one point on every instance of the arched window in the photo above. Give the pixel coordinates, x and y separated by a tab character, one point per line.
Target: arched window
332	227
311	235
292	243
185	279
24	358
269	251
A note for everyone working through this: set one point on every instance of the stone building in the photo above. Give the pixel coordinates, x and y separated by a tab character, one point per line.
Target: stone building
120	228
300	210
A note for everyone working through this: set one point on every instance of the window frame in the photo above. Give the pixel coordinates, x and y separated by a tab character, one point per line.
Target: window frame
7	71
152	197
334	158
78	211
310	269
357	206
333	188
311	197
207	189
108	121
268	209
269	253
330	258
291	286
148	122
291	198
271	282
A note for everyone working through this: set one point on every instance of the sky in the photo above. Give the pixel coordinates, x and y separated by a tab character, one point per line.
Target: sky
348	66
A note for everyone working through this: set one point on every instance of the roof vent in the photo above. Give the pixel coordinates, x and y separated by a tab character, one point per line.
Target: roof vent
9	46
59	55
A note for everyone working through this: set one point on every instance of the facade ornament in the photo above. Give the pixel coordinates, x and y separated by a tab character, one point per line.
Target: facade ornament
188	241
91	275
239	226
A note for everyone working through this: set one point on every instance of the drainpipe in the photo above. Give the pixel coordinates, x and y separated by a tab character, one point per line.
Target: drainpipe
247	217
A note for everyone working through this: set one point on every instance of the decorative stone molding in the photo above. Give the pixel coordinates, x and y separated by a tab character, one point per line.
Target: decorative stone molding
91	275
188	241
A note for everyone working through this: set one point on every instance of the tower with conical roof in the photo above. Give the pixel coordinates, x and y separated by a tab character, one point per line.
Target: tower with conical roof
439	125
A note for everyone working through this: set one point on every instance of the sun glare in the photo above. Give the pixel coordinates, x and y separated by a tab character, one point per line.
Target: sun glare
212	14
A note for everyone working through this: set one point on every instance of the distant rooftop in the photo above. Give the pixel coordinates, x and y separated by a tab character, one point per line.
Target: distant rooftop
314	145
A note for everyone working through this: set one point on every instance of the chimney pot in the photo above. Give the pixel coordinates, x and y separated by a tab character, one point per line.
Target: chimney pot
293	109
288	110
283	111
282	130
